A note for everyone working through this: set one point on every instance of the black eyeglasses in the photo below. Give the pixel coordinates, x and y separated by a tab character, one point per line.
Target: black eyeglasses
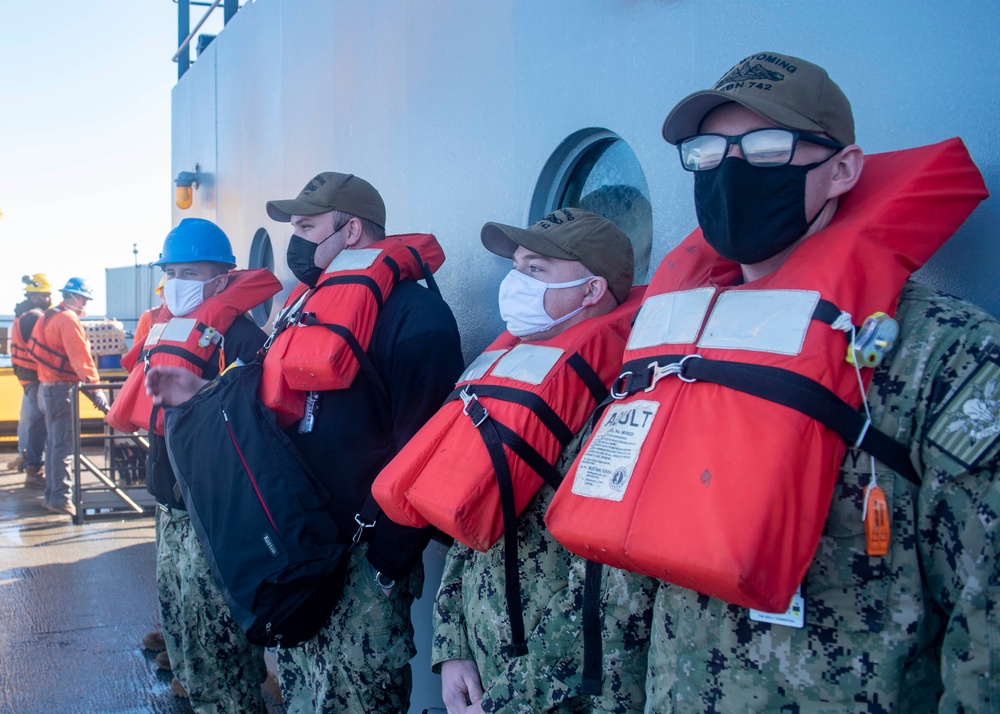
761	147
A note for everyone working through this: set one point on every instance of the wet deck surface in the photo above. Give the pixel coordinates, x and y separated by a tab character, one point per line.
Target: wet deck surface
75	601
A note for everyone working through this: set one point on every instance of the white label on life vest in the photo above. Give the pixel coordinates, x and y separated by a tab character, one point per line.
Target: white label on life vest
670	319
794	616
178	329
154	333
480	366
360	259
606	466
528	363
761	320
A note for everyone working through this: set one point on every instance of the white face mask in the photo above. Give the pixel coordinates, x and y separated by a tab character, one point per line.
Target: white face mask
522	303
183	296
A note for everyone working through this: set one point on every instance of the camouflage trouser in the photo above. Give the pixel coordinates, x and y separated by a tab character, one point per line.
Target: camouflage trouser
359	662
221	671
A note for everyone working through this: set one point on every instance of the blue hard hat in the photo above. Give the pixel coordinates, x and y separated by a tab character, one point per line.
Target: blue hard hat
195	240
78	286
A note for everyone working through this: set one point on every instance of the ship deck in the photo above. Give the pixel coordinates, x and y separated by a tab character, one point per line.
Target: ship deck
75	601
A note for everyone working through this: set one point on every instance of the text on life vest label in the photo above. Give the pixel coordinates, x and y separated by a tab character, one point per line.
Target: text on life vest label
607	465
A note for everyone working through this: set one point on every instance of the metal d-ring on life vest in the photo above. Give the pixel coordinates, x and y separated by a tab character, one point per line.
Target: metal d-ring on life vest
193	342
478	462
706	472
333	322
20	354
39	349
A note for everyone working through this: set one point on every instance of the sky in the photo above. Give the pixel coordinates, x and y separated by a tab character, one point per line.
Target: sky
84	137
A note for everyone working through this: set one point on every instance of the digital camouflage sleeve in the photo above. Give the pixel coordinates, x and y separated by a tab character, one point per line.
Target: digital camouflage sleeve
471	622
915	631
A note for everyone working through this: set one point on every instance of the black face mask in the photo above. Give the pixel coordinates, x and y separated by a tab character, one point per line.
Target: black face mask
300	256
751	213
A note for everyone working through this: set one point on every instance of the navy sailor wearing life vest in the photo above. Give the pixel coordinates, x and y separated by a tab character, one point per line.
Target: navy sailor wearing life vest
817	490
486	465
353	380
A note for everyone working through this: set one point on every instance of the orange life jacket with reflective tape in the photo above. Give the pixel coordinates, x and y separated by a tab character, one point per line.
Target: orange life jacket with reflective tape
715	468
322	333
20	354
539	392
194	342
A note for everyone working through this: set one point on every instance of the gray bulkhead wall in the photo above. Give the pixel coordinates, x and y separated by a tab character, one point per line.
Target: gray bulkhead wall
452	109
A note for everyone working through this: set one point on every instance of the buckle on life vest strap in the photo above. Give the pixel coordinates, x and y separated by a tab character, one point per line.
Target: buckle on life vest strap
471	402
630	382
363	525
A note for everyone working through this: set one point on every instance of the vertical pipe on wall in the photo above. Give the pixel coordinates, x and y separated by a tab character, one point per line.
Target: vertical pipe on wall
183	29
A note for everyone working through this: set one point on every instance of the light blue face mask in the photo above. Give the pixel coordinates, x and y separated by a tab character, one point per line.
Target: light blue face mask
522	303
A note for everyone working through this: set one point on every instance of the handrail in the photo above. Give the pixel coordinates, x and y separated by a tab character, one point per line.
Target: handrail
193	32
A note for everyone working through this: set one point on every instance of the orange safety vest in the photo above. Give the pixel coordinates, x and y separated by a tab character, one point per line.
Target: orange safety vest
20	354
333	322
191	342
541	392
700	475
49	357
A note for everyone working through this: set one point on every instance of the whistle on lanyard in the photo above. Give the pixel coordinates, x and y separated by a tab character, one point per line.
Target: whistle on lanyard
209	336
873	341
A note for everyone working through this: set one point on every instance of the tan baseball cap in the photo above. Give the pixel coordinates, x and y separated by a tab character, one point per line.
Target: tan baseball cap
330	191
787	90
571	234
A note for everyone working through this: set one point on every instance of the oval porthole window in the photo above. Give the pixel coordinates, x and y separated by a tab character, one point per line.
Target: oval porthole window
595	169
262	256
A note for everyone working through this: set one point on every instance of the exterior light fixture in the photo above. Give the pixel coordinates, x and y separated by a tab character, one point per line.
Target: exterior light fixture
185	182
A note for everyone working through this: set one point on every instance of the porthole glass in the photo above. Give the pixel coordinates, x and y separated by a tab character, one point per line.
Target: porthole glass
597	170
262	256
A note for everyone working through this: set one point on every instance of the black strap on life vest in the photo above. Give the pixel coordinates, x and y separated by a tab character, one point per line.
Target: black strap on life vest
426	270
780	386
355	280
53	359
347	336
592	646
529	400
495	436
487	428
203	365
367	517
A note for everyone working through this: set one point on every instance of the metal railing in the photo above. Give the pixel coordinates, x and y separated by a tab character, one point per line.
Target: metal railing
184	32
118	486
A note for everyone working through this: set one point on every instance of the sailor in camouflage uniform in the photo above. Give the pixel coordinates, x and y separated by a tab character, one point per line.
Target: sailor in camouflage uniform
472	631
209	654
917	630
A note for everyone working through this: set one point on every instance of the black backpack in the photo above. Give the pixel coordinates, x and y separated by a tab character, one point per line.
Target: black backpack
261	516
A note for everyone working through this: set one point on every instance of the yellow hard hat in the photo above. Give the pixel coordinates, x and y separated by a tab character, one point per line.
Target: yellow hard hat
159	288
37	283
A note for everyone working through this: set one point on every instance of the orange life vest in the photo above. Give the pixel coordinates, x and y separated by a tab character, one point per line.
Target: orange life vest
191	342
541	392
322	333
20	354
692	478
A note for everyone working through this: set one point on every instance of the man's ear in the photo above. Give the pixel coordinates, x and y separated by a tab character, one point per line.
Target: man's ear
597	288
845	170
353	233
221	284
